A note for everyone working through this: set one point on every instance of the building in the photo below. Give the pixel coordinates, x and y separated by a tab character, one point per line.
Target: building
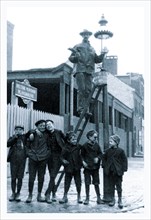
54	96
110	64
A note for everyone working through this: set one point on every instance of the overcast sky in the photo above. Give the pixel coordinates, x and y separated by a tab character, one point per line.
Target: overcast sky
43	31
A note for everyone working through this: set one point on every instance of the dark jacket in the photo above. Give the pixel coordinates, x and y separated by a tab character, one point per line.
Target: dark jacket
72	154
17	148
38	149
56	141
86	61
89	152
115	160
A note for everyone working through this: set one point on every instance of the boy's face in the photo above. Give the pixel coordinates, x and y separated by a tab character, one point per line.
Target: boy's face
112	143
93	138
73	140
49	126
19	131
41	127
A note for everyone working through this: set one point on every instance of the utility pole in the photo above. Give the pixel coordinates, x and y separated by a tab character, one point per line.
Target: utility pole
104	34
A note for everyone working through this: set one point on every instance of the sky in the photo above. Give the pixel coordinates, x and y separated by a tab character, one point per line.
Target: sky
44	30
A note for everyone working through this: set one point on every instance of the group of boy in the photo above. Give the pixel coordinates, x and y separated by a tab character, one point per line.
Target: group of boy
47	146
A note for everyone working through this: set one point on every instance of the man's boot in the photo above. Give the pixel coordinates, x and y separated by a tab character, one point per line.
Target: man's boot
29	199
40	198
47	199
112	203
86	201
97	190
64	199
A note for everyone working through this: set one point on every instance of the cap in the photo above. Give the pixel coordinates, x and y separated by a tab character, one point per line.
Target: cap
39	122
116	138
91	133
19	126
69	134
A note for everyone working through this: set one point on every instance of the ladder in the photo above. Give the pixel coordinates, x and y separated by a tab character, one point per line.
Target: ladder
83	120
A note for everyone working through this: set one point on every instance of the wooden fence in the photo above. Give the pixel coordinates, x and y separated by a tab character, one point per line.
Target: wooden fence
27	117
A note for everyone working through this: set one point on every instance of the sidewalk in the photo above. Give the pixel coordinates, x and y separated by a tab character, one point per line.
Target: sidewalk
133	195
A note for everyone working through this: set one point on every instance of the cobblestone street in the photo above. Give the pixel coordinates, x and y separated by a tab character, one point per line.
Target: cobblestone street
133	196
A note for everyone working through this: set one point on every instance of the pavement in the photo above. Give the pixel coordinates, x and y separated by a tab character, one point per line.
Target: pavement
133	195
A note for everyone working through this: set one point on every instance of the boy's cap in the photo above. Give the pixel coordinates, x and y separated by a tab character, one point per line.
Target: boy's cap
19	126
91	133
49	120
69	134
39	122
85	32
116	138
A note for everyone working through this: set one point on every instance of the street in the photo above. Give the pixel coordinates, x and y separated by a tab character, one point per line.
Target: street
133	195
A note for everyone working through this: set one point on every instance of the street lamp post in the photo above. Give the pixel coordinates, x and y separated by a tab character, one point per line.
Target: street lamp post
104	34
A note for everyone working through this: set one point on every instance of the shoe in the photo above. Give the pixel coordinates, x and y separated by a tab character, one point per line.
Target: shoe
86	202
54	198
112	203
12	197
120	204
40	198
64	200
17	197
100	201
29	199
79	199
47	199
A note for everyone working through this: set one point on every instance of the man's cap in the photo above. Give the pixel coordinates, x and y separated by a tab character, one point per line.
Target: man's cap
39	122
91	133
19	126
69	134
115	138
85	32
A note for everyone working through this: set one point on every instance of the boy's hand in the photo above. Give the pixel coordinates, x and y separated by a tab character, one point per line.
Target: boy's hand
84	164
65	162
96	160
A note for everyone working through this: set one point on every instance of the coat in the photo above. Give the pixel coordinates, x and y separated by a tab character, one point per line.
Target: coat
38	149
89	152
17	148
86	61
72	154
114	159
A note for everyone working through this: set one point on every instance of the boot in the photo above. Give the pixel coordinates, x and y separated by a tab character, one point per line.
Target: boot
99	200
12	197
17	197
112	203
29	199
47	199
79	199
120	204
40	198
86	201
64	200
54	197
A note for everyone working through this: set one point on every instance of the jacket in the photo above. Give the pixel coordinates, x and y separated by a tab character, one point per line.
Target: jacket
87	59
72	154
89	152
115	160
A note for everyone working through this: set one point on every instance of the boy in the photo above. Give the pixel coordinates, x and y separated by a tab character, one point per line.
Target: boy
115	164
91	157
56	144
17	159
38	153
72	162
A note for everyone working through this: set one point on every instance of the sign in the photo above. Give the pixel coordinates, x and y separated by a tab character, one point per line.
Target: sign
25	90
